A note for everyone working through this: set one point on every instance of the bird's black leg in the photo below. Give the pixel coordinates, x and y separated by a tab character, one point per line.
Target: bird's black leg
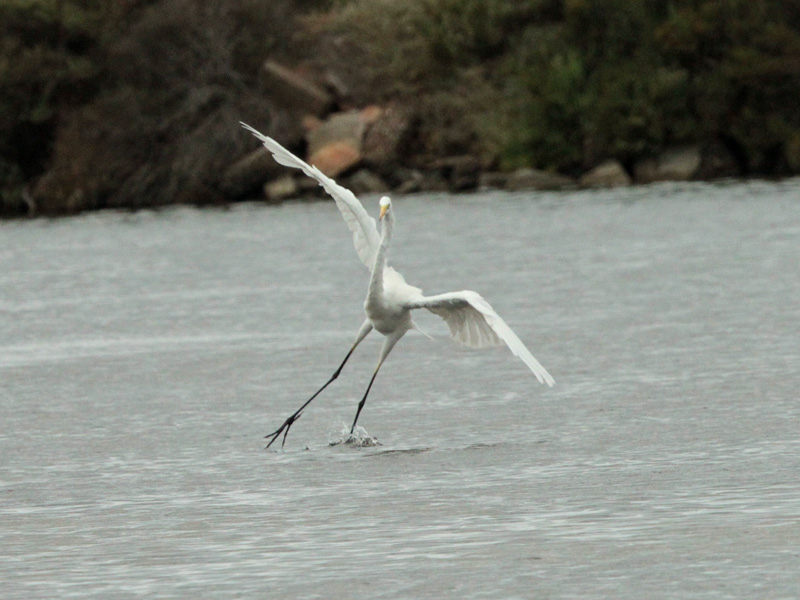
296	415
284	429
363	401
388	344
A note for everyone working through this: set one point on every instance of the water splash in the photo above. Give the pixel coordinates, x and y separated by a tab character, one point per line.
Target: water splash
358	439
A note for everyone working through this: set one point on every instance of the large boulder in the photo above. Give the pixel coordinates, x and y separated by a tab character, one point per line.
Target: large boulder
536	179
461	172
335	145
410	181
249	173
282	188
719	161
364	182
387	133
607	174
292	89
676	164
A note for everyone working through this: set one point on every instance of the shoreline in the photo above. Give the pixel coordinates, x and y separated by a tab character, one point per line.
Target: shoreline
317	194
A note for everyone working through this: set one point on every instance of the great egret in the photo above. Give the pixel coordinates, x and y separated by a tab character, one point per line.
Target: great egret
390	300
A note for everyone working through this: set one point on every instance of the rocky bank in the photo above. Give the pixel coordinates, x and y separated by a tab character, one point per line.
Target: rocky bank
367	149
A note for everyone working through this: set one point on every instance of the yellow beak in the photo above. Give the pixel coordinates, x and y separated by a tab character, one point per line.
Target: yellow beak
384	208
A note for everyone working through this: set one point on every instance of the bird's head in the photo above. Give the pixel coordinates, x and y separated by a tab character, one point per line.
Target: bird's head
386	204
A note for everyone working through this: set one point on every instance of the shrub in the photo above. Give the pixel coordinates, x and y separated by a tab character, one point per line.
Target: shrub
743	60
44	69
575	81
179	79
442	56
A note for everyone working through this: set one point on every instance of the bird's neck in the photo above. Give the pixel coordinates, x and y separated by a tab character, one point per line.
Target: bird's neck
376	279
387	228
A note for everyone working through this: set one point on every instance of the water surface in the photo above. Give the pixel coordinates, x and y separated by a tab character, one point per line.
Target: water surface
144	356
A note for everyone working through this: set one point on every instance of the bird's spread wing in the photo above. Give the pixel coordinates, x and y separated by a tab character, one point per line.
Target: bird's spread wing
473	322
365	232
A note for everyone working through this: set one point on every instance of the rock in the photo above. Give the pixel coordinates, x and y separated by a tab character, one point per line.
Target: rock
459	164
335	145
57	192
365	181
718	161
386	135
607	174
293	90
792	152
370	114
309	123
646	170
461	172
411	181
492	180
337	87
200	195
248	174
676	164
335	158
463	182
536	179
306	186
433	182
679	164
281	189
18	203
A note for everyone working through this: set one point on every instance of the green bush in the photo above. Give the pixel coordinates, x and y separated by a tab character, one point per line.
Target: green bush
743	60
179	78
546	91
136	103
577	81
44	69
446	57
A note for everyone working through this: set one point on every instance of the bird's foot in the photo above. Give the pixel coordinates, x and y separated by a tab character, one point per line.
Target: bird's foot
284	429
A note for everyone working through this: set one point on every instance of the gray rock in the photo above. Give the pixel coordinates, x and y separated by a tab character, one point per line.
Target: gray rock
385	136
492	180
718	162
249	173
535	179
293	90
335	146
461	172
459	164
365	181
281	189
432	181
607	174
676	164
306	186
412	181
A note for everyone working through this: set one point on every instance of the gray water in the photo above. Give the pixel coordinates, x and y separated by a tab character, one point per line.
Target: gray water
144	356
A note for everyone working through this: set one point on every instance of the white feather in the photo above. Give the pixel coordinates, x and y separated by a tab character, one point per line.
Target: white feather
390	300
365	231
474	323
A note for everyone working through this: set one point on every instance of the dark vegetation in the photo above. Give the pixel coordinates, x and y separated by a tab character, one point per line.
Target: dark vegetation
132	106
137	102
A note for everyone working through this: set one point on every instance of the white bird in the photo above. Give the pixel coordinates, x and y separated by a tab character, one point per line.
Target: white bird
390	300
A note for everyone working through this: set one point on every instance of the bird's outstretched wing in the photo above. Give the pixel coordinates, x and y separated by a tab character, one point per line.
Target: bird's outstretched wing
365	232
473	322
